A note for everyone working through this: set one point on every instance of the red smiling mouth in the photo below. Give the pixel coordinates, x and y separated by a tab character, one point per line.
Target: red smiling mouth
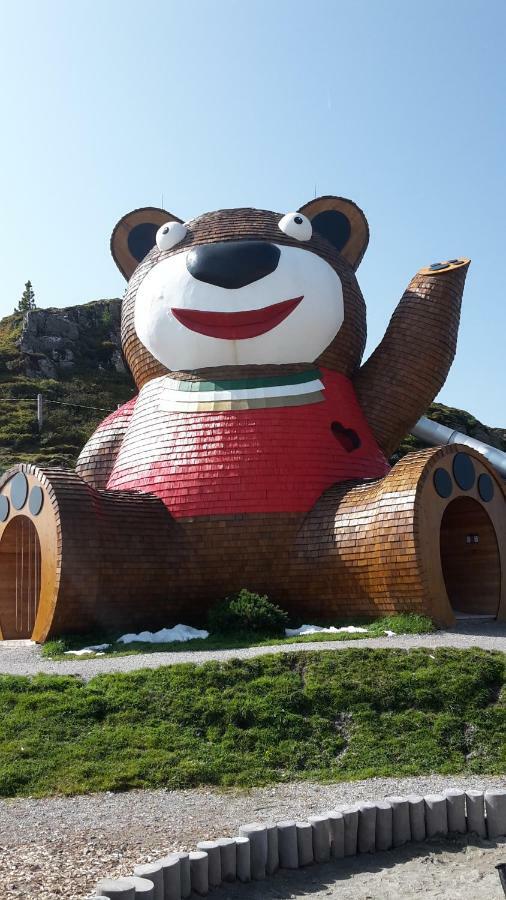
236	326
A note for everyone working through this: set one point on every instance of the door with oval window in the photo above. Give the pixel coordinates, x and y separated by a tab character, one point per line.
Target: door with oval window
470	558
20	581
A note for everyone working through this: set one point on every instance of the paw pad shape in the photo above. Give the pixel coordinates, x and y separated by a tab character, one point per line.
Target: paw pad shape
19	493
464	475
445	266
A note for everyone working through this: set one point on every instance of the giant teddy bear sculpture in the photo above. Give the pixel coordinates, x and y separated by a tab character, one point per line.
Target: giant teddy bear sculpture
255	453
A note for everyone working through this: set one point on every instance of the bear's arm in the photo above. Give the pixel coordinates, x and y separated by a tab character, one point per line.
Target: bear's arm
405	372
98	456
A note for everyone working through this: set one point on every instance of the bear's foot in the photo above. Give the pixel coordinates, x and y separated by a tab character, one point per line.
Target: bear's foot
428	538
29	552
73	559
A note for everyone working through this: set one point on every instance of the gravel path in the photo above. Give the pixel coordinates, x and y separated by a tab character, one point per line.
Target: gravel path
59	847
24	658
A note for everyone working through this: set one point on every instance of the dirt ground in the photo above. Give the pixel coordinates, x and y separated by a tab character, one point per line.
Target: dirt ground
460	869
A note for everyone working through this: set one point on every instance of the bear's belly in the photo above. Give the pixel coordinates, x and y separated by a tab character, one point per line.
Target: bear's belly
247	461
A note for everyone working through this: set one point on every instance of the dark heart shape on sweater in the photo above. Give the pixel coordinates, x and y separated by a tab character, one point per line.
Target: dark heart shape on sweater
347	437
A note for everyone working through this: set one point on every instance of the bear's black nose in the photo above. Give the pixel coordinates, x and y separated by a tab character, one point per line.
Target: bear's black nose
232	264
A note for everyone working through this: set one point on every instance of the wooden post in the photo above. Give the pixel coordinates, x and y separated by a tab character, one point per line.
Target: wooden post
40	413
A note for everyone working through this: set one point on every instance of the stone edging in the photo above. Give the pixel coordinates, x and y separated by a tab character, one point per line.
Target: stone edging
260	850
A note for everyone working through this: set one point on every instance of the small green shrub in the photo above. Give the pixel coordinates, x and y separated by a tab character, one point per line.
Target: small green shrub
249	612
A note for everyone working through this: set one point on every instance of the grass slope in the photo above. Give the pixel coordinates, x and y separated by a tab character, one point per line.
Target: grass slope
328	716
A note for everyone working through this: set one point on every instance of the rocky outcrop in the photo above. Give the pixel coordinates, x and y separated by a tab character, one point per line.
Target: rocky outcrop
56	342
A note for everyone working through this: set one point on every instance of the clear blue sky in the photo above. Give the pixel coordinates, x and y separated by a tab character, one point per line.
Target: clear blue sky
108	104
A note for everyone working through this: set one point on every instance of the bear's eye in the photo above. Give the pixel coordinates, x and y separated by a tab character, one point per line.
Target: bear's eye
169	235
297	226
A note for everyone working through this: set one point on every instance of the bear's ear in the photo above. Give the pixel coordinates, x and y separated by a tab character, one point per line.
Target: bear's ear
134	236
342	223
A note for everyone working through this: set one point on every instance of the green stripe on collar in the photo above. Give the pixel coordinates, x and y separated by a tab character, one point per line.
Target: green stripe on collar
243	383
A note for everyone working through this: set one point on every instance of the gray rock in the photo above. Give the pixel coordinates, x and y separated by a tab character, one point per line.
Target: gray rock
53	341
117	361
67	360
44	367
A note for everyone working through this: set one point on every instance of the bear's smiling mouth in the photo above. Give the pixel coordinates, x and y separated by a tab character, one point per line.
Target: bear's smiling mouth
233	326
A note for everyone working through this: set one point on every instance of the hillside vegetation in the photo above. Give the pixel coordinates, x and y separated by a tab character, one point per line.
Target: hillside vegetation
85	370
319	716
91	382
457	420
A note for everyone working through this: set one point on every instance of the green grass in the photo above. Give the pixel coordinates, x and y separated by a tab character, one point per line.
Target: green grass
400	624
325	716
66	427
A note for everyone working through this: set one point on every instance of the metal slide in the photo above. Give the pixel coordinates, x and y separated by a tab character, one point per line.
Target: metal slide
435	434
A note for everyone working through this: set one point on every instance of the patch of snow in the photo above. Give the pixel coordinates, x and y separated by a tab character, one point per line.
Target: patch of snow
390	633
165	635
98	649
316	629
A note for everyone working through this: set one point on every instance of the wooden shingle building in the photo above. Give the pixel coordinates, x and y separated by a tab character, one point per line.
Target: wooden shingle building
255	453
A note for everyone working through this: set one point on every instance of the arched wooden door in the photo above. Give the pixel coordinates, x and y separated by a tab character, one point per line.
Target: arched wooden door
20	578
470	558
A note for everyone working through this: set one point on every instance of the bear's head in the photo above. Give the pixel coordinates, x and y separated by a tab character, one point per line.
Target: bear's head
242	288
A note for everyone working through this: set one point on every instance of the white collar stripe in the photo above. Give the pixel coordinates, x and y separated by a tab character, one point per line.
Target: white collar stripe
242	394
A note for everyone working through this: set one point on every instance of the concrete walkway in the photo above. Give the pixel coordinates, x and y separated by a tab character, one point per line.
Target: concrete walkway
24	658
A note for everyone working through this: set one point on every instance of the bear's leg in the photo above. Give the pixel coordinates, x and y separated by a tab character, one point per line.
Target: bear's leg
428	538
73	559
